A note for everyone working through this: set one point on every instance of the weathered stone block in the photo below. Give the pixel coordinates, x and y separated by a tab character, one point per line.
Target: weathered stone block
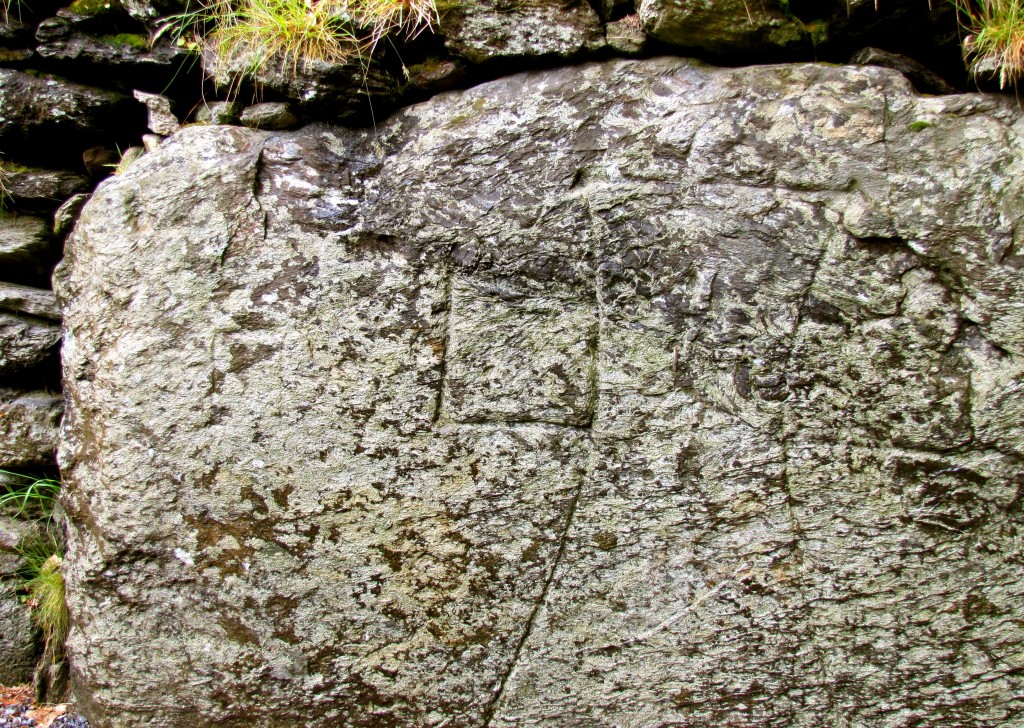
632	394
26	247
18	650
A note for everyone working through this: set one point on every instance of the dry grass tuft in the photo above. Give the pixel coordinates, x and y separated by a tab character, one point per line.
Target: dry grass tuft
251	36
995	41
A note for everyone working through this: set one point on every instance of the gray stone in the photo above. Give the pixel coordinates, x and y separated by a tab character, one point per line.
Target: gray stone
17	638
639	393
162	120
270	115
43	116
67	214
28	428
435	75
486	30
62	42
12	532
924	80
151	141
36	302
342	91
626	35
26	341
26	247
725	26
43	189
218	112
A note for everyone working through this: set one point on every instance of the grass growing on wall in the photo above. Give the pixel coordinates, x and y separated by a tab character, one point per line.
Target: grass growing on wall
251	36
42	551
994	44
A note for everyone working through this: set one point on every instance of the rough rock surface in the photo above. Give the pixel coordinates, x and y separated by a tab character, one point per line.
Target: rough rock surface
28	428
44	116
482	31
723	26
630	394
17	637
43	189
26	247
26	341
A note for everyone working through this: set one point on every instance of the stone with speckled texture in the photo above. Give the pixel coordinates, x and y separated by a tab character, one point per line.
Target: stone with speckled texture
640	393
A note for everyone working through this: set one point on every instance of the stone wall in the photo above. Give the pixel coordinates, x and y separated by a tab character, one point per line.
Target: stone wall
486	318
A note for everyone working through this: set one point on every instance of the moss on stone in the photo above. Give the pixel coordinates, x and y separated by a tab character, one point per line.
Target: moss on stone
126	40
94	7
918	125
14	168
477	110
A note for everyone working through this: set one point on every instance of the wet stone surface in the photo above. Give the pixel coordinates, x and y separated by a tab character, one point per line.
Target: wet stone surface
631	394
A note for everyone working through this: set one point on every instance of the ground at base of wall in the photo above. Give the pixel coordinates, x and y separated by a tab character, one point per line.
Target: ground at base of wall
17	708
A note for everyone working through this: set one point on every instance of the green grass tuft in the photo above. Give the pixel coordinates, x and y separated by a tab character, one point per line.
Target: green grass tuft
248	37
29	497
46	599
42	552
995	41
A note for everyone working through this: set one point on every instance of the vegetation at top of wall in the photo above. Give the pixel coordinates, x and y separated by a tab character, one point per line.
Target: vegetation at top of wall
247	37
995	41
42	552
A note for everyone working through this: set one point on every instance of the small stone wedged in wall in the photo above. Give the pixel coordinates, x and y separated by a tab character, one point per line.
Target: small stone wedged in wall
924	80
274	116
599	395
67	214
726	26
162	119
218	112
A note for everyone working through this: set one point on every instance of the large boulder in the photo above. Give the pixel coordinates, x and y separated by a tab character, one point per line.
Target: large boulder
630	394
